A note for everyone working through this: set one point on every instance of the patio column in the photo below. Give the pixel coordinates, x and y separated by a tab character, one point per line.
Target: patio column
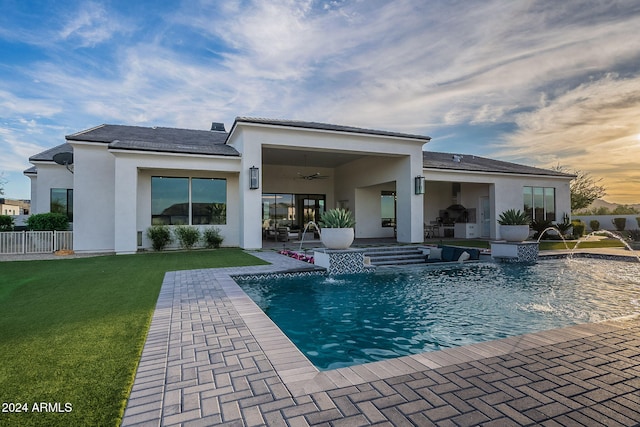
410	206
251	198
126	189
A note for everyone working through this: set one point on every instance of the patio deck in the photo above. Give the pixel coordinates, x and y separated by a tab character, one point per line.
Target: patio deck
212	357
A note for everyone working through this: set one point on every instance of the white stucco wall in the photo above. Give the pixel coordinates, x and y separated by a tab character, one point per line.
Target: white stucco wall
34	193
50	175
606	221
94	198
388	160
134	195
504	191
230	231
369	205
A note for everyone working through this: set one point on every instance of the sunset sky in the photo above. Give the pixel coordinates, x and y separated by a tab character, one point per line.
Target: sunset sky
540	83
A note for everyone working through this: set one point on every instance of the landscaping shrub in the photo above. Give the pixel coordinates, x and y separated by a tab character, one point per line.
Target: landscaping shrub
594	224
638	221
48	221
6	223
619	223
563	226
578	228
539	226
187	236
160	236
634	235
212	238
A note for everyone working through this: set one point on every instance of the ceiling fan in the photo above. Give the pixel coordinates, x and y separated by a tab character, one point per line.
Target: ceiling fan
313	176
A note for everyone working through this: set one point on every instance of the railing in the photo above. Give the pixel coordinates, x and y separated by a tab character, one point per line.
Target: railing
35	242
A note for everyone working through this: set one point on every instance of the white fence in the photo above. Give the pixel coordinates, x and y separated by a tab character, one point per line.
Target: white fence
35	242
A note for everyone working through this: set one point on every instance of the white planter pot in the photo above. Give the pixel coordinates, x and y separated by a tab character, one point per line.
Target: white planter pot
337	238
514	233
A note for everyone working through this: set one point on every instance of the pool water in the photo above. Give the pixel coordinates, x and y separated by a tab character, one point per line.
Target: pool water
355	319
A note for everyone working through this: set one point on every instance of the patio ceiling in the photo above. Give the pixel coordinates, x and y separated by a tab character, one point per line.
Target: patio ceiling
320	159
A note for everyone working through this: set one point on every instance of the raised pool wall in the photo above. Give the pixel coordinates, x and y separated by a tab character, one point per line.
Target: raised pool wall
340	261
516	252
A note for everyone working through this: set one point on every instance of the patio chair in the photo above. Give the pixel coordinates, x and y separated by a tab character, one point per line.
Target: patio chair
282	234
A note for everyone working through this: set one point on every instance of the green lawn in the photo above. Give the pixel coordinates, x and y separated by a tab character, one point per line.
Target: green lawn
72	330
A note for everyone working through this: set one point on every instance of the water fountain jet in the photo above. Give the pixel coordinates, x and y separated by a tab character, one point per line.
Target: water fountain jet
608	233
556	230
306	227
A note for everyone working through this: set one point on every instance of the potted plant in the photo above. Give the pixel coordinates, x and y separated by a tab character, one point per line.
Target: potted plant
337	228
514	225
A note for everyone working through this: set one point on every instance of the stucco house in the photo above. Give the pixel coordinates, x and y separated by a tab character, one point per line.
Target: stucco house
265	173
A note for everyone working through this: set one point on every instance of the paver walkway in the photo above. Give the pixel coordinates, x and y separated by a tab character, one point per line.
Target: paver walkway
213	358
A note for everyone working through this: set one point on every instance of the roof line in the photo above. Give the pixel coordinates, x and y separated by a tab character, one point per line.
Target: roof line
324	126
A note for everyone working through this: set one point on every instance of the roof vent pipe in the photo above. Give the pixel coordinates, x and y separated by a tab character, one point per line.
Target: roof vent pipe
217	127
457	158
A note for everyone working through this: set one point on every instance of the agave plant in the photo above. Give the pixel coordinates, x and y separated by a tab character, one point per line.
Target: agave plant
514	217
337	218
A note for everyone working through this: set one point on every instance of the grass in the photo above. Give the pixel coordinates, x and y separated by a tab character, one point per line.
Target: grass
72	330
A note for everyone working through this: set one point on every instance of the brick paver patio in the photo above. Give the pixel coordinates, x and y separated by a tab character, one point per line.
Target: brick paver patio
213	358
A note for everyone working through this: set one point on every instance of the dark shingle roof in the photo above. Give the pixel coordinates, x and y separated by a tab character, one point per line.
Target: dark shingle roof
326	126
435	160
158	139
47	155
31	171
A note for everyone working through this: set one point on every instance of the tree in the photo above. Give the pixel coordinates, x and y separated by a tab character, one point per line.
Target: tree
2	183
625	210
584	188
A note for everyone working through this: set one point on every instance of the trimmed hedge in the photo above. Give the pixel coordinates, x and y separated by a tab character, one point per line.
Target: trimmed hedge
48	222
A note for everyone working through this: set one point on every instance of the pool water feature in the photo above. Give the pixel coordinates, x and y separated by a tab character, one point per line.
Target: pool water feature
349	320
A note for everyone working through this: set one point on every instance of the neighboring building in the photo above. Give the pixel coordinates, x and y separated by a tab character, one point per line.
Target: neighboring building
126	178
9	207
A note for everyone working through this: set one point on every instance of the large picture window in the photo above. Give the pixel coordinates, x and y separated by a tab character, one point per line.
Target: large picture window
184	201
540	203
208	201
62	202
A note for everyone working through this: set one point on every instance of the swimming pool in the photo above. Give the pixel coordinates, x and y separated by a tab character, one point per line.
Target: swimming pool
349	320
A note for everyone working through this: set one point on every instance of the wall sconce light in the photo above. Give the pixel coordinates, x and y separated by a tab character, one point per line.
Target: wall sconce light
254	178
419	184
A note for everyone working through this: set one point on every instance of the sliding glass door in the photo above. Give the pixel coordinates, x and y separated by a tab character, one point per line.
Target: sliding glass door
291	210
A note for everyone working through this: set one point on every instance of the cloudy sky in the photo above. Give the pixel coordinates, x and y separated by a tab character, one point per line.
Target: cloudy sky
535	82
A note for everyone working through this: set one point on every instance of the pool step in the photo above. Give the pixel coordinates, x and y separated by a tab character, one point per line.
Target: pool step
395	255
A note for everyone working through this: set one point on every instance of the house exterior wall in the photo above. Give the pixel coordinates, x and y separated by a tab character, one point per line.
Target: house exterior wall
94	198
504	191
33	208
230	231
50	175
133	180
388	159
369	198
112	188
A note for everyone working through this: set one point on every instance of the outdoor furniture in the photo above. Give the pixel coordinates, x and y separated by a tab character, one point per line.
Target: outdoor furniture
282	234
431	231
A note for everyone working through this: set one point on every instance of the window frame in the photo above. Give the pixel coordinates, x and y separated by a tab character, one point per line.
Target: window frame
156	219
